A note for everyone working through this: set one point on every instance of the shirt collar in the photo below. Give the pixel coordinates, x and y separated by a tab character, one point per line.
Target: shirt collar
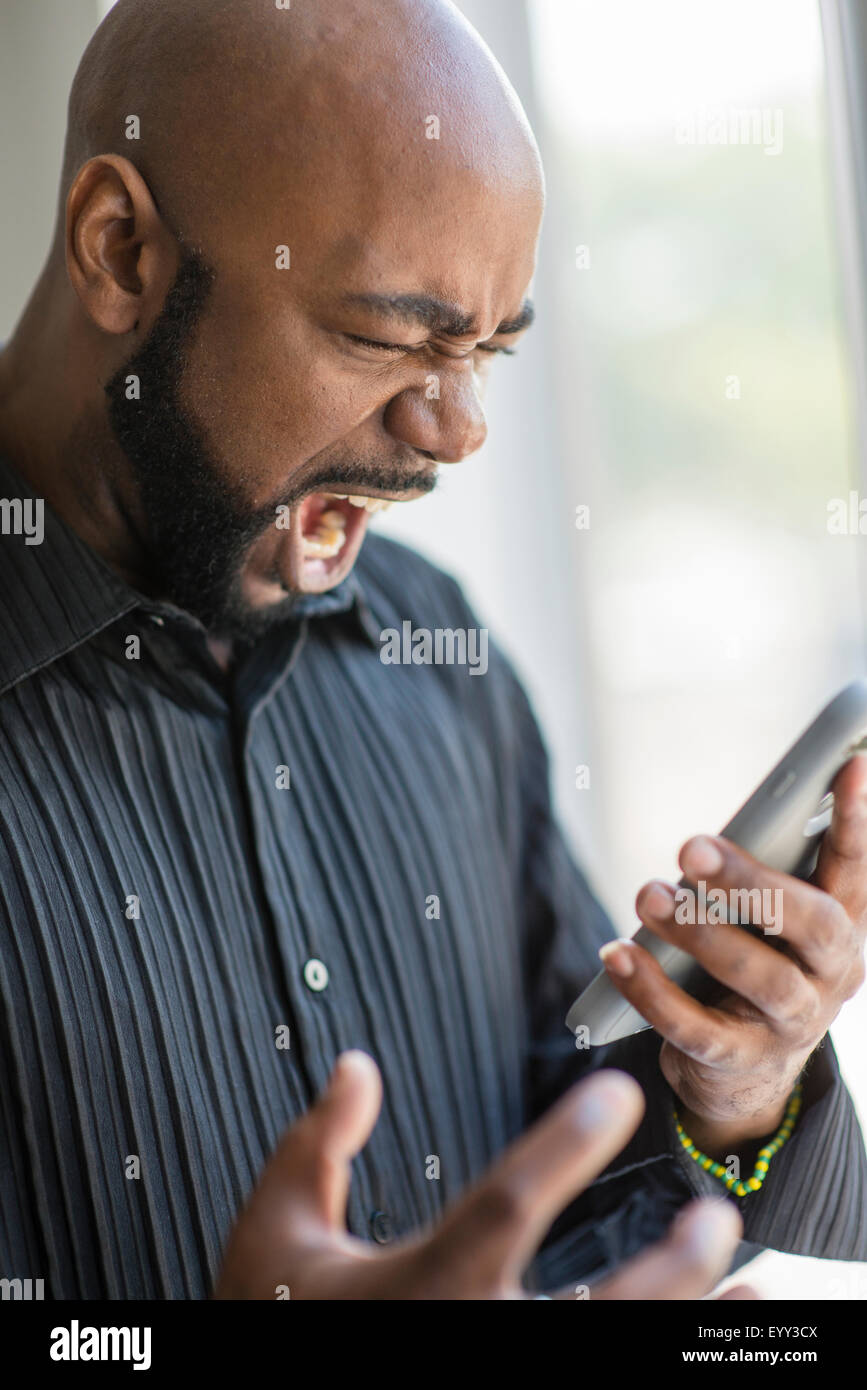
56	595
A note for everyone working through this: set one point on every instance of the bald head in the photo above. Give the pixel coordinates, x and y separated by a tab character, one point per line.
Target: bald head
238	100
287	286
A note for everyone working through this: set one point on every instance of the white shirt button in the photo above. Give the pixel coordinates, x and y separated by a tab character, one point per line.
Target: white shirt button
315	975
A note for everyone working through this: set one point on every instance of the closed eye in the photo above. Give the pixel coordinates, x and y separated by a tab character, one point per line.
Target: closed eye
379	346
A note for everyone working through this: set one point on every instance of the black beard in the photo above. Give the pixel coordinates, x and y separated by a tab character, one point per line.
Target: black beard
198	530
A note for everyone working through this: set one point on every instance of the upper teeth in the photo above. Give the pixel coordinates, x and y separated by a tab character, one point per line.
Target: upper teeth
370	504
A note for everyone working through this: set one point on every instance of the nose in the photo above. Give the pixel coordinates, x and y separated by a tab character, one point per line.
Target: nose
443	417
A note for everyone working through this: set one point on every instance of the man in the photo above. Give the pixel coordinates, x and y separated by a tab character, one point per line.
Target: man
240	854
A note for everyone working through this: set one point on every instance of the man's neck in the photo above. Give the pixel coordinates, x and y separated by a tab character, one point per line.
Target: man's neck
222	651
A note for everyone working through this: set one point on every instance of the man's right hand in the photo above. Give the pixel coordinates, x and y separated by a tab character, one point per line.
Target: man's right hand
292	1232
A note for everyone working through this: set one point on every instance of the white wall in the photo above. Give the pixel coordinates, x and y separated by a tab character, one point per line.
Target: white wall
41	42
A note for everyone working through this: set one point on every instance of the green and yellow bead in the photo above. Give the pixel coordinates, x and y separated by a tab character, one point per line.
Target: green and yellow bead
763	1159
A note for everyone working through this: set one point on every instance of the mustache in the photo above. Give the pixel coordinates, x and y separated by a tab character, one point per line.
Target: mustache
353	476
347	476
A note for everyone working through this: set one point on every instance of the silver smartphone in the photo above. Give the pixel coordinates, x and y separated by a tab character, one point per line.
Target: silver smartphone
782	825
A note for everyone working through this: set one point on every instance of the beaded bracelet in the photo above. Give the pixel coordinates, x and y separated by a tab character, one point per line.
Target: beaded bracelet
753	1184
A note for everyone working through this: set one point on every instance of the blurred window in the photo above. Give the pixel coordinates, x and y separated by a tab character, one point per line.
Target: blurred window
707	417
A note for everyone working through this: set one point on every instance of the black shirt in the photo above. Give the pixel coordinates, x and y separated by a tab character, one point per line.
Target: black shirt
317	849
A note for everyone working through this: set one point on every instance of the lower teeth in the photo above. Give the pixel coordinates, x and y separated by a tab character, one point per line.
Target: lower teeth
329	538
322	549
330	535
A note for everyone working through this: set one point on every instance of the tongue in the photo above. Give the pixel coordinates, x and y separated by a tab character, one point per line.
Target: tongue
311	510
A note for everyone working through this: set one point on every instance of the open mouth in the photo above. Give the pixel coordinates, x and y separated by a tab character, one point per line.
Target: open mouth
314	544
324	537
329	521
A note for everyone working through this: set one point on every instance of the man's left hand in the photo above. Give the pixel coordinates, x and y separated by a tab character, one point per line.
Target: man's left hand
734	1064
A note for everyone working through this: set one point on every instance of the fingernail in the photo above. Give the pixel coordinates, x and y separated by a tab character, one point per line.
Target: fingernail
352	1059
658	901
701	855
602	1100
617	957
708	1227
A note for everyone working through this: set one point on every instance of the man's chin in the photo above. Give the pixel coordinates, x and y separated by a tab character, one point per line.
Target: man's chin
264	601
244	623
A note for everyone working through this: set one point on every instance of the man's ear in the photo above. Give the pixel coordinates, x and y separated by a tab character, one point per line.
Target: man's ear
120	256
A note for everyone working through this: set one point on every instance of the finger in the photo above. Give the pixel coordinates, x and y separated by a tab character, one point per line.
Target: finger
842	866
773	982
706	1034
811	923
489	1236
693	1257
741	1292
310	1169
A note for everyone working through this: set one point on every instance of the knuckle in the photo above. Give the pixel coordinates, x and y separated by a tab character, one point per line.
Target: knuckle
827	924
806	1022
706	1047
741	966
786	995
718	1053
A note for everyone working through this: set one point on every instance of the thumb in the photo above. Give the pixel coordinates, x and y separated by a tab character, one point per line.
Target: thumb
312	1161
347	1110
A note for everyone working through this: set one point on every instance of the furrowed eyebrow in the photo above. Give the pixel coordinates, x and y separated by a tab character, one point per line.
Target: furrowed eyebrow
521	321
437	315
